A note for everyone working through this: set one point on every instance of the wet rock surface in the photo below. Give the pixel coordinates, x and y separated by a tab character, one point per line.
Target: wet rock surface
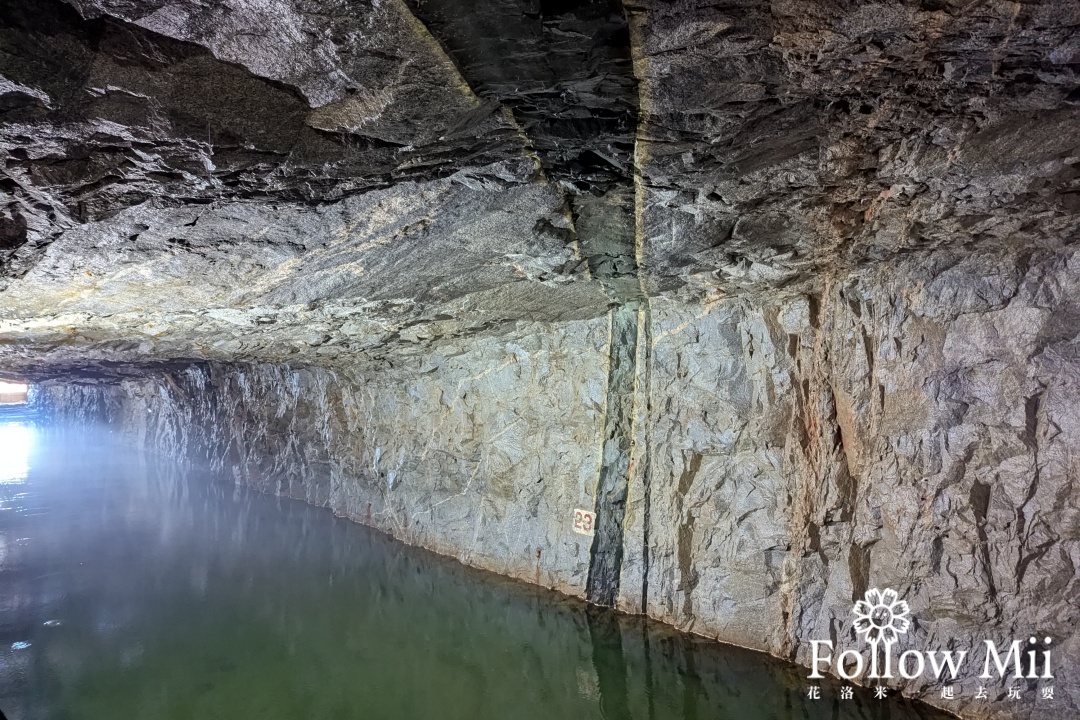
784	291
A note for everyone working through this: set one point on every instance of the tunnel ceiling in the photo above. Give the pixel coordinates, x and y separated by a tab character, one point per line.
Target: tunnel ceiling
325	181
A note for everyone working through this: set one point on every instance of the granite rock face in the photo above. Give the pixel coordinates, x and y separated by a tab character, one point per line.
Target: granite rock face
435	452
912	427
789	140
785	292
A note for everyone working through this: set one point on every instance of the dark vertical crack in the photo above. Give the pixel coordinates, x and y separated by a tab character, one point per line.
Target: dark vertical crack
979	498
646	469
565	72
691	683
605	555
1030	438
646	643
685	536
605	635
859	567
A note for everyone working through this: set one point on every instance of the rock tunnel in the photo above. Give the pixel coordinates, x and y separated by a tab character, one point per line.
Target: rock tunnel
782	297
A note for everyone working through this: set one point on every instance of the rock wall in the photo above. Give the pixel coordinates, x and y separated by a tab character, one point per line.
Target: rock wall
912	425
459	453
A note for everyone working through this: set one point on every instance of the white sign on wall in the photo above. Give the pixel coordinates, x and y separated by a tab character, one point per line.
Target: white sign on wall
584	522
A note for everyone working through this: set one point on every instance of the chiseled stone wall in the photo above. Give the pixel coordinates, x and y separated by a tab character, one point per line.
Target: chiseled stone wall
479	452
914	426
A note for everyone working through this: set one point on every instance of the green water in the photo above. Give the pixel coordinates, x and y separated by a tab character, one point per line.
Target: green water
129	591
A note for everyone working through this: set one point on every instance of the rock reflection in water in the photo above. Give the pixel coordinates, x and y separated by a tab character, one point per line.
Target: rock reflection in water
146	592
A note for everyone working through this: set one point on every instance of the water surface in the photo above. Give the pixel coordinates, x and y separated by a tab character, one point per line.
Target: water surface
131	591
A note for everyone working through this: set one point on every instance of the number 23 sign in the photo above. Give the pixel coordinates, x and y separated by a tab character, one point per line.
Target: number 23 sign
584	522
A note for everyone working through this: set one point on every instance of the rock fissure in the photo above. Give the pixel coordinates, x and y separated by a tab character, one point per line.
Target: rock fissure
606	551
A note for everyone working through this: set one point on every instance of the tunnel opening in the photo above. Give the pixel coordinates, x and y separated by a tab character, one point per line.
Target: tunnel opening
14	393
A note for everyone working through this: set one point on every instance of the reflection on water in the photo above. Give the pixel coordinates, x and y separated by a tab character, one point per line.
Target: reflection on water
16	440
129	592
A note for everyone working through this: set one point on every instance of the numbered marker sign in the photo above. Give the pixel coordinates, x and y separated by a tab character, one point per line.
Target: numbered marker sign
584	522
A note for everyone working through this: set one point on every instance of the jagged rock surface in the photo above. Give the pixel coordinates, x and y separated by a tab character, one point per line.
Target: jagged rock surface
435	452
912	428
785	291
774	144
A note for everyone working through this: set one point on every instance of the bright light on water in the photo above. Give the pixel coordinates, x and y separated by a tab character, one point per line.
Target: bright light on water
11	387
16	441
133	589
